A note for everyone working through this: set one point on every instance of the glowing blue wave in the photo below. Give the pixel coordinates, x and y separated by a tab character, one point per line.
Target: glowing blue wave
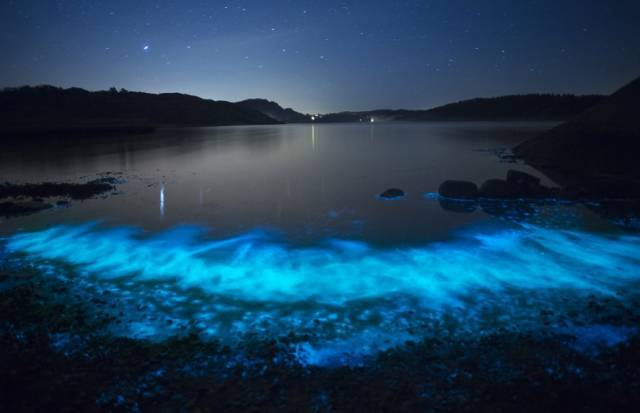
355	288
253	266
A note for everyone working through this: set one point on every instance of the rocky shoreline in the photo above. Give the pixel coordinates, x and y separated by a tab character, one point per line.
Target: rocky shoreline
25	199
521	196
520	185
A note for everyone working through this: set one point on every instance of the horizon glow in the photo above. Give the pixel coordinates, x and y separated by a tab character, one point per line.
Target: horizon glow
323	57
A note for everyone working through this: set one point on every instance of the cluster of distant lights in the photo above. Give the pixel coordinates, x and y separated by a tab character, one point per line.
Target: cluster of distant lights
317	117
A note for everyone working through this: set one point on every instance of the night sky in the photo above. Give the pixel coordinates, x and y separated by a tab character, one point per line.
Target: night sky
322	56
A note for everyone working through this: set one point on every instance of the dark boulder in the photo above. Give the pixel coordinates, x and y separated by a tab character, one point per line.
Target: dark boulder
499	189
458	190
528	186
520	178
518	185
538	192
392	193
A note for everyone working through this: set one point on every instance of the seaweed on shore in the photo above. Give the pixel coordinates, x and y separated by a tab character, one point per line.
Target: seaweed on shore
22	208
77	191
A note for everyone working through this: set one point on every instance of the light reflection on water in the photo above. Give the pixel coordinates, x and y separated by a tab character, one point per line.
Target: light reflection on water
162	200
281	176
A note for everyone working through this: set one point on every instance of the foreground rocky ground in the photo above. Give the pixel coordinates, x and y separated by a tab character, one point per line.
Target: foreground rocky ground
57	355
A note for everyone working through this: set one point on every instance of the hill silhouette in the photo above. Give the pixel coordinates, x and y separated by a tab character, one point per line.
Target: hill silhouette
49	108
512	107
42	109
275	111
603	140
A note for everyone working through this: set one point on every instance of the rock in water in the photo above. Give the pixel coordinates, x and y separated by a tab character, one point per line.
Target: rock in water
392	193
528	186
458	190
498	189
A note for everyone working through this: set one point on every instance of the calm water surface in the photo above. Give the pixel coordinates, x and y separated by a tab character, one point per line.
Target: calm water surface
308	181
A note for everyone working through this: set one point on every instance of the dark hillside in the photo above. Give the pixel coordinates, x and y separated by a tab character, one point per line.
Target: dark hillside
602	140
51	108
275	111
513	107
542	107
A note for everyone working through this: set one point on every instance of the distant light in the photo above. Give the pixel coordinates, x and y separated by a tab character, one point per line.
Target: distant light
372	120
162	200
313	118
146	47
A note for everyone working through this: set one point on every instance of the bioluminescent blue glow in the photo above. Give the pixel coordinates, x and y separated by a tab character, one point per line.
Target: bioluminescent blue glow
343	291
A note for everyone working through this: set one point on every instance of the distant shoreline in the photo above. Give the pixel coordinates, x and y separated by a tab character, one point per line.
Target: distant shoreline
50	110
